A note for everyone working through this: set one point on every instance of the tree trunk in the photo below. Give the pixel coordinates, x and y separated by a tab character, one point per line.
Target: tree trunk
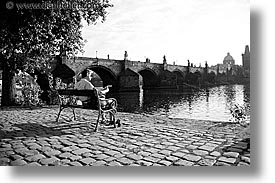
8	83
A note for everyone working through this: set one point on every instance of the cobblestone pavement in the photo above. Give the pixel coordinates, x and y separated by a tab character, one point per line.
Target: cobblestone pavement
33	138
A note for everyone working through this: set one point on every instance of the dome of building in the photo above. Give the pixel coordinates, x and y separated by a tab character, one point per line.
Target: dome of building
228	59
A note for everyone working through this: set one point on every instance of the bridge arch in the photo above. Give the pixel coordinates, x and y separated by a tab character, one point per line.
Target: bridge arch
167	78
194	78
180	76
149	78
106	75
130	79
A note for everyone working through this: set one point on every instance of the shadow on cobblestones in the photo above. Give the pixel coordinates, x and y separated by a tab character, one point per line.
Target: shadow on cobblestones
30	130
52	129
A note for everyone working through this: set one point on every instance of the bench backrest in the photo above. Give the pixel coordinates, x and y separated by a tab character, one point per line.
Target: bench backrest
90	93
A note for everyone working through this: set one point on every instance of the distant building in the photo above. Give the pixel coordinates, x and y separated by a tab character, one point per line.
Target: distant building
228	61
228	64
246	61
227	67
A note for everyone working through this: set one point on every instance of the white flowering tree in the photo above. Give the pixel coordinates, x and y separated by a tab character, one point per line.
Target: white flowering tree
27	90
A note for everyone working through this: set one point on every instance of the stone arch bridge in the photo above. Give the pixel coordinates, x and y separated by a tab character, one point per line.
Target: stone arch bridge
132	75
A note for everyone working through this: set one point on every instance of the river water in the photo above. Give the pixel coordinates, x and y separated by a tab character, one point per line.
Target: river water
208	104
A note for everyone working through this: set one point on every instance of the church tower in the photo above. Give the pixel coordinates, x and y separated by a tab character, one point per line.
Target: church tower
246	59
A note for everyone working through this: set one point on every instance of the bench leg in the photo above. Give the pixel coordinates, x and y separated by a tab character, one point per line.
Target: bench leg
113	118
60	109
74	113
97	122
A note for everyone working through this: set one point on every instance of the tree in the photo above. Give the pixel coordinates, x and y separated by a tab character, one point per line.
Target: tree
31	33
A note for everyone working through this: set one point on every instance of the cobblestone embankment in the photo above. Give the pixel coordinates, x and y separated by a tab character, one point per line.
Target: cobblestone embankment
33	138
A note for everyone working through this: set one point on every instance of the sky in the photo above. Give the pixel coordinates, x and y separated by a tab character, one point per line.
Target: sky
195	30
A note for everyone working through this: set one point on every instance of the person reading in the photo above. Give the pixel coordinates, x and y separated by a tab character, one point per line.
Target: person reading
85	84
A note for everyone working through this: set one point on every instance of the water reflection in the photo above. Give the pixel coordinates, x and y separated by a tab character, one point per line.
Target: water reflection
141	99
209	104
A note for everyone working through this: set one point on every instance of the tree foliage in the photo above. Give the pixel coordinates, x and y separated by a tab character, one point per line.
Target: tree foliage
34	33
31	33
